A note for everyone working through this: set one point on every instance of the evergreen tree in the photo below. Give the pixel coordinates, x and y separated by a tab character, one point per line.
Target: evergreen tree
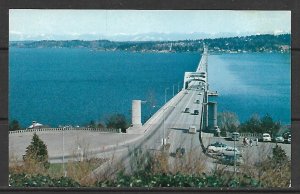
279	155
269	126
37	151
92	124
253	125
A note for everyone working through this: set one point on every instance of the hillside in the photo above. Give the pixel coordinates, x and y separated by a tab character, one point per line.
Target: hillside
254	43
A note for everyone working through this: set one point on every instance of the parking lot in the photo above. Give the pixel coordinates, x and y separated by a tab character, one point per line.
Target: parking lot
252	154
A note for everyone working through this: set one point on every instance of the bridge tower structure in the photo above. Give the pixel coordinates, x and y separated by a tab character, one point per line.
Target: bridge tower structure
210	114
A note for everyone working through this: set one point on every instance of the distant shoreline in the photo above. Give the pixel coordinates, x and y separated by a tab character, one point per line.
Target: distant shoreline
251	44
212	52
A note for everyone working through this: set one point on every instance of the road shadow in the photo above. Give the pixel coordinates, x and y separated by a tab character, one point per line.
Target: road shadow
180	129
230	139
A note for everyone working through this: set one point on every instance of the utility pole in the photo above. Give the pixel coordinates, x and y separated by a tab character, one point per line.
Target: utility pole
63	148
166	95
234	157
173	90
164	128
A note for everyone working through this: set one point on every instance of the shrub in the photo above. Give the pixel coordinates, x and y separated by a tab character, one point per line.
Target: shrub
24	180
117	121
14	125
175	180
228	122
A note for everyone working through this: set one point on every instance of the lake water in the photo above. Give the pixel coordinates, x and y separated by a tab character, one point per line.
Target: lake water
74	86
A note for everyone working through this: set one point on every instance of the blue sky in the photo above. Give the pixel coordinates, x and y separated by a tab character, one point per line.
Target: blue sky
129	24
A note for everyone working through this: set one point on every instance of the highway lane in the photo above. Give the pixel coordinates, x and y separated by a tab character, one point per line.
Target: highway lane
174	121
181	138
176	130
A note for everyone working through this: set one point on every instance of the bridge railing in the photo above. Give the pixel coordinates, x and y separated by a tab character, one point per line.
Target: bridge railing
110	130
248	135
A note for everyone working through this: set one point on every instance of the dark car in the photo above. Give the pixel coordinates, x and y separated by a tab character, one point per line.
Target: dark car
230	159
196	112
186	110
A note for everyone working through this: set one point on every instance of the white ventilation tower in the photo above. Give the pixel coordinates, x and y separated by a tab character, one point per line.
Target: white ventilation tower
136	113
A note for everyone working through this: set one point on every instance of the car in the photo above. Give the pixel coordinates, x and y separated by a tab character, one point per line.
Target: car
229	151
279	139
231	159
289	140
266	137
186	92
197	101
196	112
186	110
216	147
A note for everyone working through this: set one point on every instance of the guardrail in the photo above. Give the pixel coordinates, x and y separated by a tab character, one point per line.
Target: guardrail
67	129
250	135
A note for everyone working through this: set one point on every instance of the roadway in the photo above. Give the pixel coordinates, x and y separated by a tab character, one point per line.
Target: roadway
107	144
176	123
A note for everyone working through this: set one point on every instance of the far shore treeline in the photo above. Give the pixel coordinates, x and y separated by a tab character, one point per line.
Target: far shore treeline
253	43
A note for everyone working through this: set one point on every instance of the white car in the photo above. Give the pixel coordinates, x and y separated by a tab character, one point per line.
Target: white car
266	137
229	151
289	140
216	147
279	139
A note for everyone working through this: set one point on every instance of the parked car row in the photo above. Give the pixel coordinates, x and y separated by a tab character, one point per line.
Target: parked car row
266	137
278	139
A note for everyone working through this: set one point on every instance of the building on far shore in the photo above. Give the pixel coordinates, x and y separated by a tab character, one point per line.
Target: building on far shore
35	125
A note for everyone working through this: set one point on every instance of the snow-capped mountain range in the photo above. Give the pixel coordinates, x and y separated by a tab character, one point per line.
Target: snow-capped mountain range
154	36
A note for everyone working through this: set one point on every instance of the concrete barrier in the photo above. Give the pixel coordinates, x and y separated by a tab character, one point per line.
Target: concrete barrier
110	130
